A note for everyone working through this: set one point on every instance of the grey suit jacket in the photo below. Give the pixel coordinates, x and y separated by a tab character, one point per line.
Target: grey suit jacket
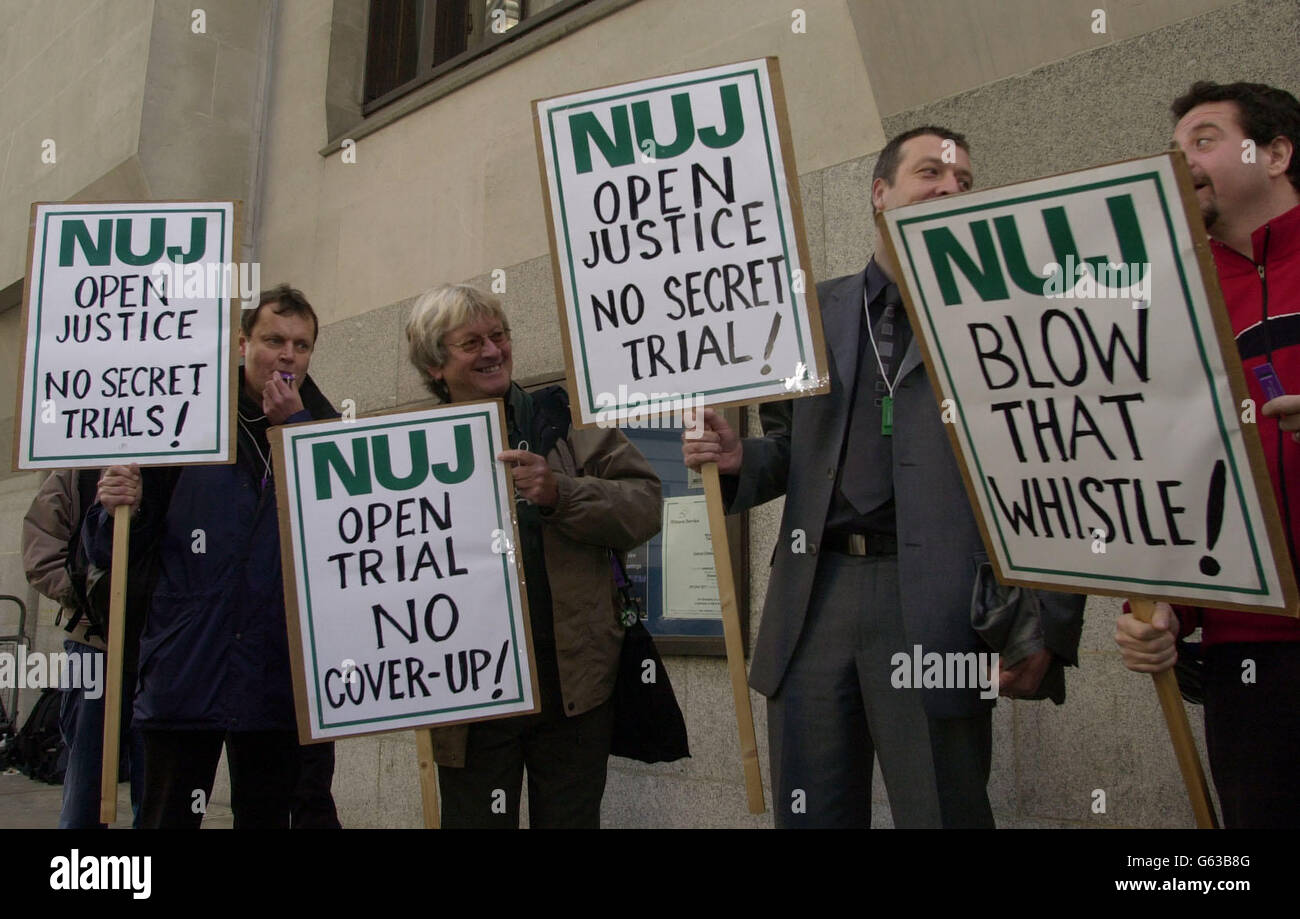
939	546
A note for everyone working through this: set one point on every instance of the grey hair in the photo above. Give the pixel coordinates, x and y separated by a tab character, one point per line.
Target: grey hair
438	311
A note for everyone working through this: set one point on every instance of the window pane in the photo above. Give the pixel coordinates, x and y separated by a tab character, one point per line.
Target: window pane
392	45
453	23
503	15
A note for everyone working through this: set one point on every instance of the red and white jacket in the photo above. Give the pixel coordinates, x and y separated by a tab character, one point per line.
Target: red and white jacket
1263	299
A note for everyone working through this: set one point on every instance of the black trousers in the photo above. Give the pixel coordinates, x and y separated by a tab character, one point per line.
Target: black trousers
963	758
313	797
180	766
566	759
1252	730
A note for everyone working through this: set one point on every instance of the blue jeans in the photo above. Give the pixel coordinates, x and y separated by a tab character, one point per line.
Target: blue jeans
81	721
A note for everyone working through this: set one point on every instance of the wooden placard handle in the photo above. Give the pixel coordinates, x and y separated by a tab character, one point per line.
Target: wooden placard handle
732	636
113	668
1180	732
428	779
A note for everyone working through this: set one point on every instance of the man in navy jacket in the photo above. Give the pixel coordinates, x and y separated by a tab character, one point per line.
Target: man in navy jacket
214	657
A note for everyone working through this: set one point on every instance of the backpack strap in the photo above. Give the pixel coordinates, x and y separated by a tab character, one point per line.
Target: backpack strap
87	485
551	418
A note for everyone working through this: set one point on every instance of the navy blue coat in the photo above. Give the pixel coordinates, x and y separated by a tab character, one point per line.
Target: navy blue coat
215	652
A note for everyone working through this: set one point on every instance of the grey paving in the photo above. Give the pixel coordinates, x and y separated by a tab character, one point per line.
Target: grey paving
26	804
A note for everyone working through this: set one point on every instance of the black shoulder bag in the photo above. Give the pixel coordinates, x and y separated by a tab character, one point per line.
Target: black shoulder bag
648	722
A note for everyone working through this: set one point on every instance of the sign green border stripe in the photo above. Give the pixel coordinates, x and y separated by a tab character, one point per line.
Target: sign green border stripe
293	441
1155	178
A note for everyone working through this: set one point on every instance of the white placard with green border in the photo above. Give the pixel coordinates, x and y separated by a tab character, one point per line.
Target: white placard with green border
401	571
1076	338
128	347
677	244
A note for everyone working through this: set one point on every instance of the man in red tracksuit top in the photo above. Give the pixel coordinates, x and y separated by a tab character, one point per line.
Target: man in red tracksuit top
1241	143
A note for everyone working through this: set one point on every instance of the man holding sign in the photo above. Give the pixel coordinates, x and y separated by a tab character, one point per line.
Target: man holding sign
876	559
214	658
1240	141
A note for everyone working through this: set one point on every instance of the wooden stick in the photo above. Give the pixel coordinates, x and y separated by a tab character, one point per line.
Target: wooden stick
428	779
113	669
733	638
1180	732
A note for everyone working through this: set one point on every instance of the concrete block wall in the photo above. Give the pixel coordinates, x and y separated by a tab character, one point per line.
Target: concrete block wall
201	98
71	72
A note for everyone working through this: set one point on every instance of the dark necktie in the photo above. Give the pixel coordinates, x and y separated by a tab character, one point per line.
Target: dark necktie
865	479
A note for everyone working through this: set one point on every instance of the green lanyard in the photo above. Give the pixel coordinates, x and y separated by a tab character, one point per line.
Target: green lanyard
886	402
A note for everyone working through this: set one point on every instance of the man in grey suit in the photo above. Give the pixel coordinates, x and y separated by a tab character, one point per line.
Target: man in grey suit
877	556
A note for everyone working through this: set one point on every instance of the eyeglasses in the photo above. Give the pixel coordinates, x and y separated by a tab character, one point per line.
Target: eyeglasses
474	344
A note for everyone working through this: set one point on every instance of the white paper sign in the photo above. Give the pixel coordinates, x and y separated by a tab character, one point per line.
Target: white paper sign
674	231
690	578
1068	324
406	608
124	361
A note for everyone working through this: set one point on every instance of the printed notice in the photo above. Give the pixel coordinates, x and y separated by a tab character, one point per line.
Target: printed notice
690	581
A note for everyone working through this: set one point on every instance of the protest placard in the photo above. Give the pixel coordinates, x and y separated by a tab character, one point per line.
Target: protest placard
401	572
128	335
128	357
680	268
1076	338
1075	334
677	244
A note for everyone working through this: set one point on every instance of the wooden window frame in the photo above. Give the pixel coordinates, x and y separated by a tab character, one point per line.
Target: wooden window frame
482	43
